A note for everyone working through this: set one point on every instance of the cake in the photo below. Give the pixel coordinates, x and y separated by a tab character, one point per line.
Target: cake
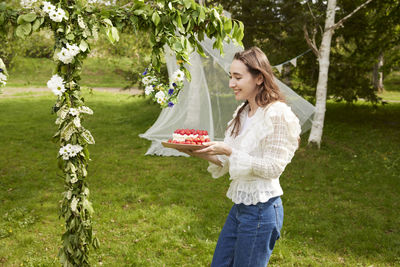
189	136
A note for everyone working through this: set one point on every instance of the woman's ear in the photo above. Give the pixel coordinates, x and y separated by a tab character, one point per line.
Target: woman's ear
259	79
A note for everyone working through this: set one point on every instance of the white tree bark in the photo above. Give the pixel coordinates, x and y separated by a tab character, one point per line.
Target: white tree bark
377	78
323	60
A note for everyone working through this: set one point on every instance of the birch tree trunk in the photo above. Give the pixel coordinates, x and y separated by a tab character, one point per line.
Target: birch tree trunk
323	60
377	78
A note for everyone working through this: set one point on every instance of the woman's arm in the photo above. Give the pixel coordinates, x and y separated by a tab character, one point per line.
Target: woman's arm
211	158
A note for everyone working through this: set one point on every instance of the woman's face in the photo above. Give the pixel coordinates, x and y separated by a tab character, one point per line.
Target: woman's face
244	85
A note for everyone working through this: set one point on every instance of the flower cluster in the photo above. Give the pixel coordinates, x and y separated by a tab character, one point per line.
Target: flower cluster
74	204
102	2
66	55
165	95
69	151
56	84
27	3
55	14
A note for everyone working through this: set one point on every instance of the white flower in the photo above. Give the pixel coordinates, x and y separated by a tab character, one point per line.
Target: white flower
73	49
77	122
160	97
27	3
178	76
48	7
81	23
73	111
102	2
69	194
75	149
65	56
3	79
57	15
69	151
149	89
74	204
74	180
148	80
58	121
84	109
95	32
56	84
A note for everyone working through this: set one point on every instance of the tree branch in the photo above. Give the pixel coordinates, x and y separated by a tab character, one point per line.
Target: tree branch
310	43
340	22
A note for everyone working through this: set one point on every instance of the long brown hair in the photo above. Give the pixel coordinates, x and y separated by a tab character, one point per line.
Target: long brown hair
268	91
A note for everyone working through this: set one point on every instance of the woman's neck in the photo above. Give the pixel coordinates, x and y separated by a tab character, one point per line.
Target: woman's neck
252	106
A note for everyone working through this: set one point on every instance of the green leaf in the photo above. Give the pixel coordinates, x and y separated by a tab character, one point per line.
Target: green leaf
187	74
202	15
23	30
70	36
88	137
155	18
29	17
200	49
19	32
36	25
241	31
67	131
83	46
115	34
216	14
86	153
177	46
20	20
187	3
88	206
235	30
108	22
179	22
96	242
109	35
227	25
138	12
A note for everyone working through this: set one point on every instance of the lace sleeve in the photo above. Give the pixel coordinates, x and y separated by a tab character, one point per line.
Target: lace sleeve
277	153
218	171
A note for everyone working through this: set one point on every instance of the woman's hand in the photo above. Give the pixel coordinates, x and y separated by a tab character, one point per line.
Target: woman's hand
214	148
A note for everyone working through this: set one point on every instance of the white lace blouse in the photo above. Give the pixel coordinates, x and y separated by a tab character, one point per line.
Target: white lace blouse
260	154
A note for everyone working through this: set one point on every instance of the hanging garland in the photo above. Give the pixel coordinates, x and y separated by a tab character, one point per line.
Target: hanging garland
177	23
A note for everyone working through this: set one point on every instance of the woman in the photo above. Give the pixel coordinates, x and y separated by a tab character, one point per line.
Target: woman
259	142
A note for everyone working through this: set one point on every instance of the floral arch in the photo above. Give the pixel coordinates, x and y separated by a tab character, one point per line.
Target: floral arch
180	24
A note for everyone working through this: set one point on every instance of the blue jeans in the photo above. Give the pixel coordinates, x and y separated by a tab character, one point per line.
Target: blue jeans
249	234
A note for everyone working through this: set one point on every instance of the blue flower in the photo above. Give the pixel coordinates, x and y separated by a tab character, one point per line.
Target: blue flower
170	104
174	85
1	70
145	72
170	91
153	85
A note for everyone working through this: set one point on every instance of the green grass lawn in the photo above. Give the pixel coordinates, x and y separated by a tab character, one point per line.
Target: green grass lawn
96	72
392	81
342	202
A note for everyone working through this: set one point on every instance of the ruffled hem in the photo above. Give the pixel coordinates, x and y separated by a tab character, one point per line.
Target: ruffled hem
252	192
